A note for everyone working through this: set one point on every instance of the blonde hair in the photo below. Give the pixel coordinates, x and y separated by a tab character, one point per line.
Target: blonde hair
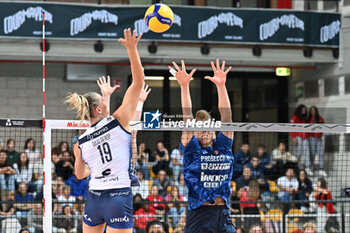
202	115
83	104
309	225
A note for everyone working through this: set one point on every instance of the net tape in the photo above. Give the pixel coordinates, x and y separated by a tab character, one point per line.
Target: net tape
232	126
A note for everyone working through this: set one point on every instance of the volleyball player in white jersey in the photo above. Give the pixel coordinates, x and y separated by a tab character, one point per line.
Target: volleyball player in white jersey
103	152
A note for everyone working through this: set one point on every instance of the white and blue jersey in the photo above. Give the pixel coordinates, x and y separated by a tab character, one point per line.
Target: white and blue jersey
208	170
106	149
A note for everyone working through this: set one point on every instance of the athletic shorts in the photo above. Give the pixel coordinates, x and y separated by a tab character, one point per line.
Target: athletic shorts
112	206
209	219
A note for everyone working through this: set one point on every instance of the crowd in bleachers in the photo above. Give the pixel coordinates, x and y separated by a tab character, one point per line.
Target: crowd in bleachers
260	179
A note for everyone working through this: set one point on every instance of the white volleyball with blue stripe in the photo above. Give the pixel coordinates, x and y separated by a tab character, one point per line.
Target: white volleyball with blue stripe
159	17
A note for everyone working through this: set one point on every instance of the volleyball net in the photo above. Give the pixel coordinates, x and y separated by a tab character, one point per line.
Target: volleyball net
44	195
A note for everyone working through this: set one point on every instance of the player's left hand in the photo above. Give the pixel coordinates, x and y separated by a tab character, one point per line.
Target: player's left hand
219	73
105	86
144	92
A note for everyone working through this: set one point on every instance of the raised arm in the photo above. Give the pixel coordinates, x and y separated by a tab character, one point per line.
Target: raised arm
125	112
184	81
219	80
137	117
106	90
142	98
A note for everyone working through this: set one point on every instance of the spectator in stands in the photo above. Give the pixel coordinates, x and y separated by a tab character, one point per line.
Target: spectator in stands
309	227
264	157
182	186
24	170
79	221
143	189
322	193
33	153
162	182
252	194
175	209
65	167
79	187
264	160
301	139
288	187
239	230
7	207
282	159
24	230
235	197
305	189
35	219
137	202
57	186
62	147
243	181
143	156
156	226
242	157
162	159
66	198
180	228
176	162
158	208
1	144
143	215
316	142
23	200
65	222
258	173
7	173
256	228
12	155
38	169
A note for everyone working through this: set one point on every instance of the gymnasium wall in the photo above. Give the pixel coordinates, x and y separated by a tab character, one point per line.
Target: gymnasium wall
21	90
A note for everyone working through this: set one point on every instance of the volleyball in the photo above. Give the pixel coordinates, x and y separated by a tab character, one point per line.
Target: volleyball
159	17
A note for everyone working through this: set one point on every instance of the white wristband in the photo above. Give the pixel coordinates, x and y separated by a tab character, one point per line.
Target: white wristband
173	72
139	106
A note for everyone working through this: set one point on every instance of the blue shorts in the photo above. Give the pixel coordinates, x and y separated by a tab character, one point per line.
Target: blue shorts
209	219
111	206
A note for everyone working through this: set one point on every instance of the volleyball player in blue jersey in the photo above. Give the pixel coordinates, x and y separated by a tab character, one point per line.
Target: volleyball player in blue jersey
103	152
208	159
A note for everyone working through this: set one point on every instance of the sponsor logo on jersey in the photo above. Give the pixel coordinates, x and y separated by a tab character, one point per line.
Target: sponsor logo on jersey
87	218
105	173
119	194
124	219
95	193
151	120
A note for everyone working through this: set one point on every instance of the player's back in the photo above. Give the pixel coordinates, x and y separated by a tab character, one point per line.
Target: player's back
105	148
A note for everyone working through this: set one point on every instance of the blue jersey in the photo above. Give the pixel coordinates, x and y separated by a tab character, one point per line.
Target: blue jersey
208	170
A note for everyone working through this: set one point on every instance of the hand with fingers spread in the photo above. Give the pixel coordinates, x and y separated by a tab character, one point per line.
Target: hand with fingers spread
144	93
130	40
219	78
182	77
105	86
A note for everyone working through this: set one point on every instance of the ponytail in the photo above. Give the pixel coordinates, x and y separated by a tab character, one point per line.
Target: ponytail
83	104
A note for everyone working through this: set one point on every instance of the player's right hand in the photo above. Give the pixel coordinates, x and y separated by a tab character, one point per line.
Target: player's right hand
130	40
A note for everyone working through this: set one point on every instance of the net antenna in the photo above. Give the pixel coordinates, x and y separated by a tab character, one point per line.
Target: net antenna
47	184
